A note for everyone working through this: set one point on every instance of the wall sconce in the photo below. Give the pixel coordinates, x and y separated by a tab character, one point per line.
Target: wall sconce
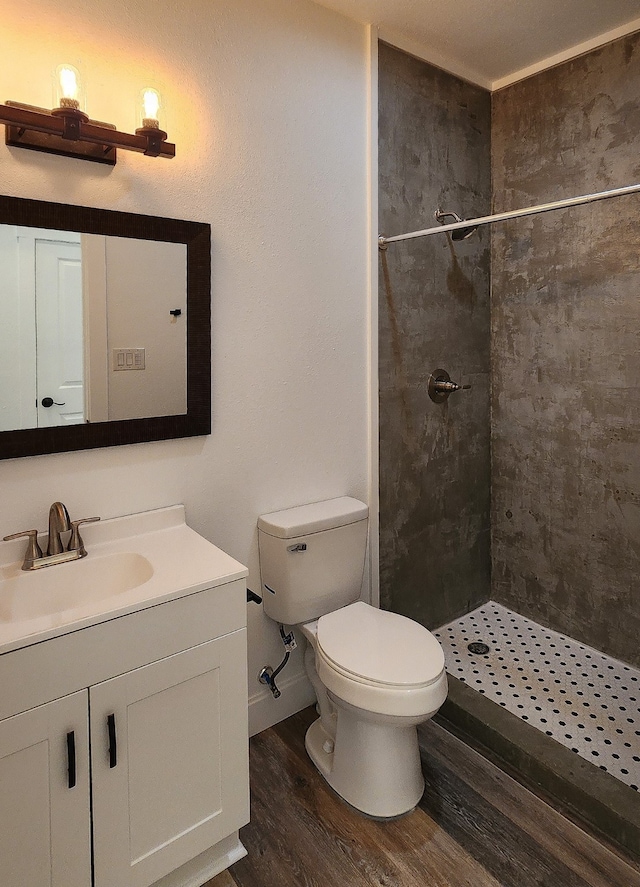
67	129
149	110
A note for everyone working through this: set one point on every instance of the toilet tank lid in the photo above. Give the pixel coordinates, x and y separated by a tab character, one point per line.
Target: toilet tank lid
305	519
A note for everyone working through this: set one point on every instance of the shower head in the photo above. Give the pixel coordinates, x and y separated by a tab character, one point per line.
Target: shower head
459	233
463	233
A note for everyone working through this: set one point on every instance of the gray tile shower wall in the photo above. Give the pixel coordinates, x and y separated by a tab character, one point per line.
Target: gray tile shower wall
566	351
434	312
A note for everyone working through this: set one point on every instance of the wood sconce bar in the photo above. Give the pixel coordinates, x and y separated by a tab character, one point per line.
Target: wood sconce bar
70	132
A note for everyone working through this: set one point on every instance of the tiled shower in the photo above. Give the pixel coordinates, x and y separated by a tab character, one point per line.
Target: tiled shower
514	508
584	699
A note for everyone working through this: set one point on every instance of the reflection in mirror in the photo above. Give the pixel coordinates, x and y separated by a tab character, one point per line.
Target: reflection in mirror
95	260
94	328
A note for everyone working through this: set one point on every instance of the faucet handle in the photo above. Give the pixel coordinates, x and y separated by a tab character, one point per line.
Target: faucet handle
33	549
75	542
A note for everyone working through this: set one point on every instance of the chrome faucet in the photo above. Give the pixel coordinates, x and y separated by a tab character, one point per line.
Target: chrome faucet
58	523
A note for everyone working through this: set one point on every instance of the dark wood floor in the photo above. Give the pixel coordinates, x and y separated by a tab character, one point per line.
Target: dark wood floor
475	827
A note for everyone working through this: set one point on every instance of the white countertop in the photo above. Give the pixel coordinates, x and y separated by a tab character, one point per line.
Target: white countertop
182	563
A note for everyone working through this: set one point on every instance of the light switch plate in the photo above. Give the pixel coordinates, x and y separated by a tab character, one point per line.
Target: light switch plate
128	359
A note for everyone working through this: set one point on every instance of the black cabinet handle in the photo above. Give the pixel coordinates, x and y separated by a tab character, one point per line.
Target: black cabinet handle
71	758
113	742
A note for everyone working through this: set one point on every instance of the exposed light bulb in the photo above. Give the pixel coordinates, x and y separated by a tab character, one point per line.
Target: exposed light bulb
151	103
150	108
68	83
68	93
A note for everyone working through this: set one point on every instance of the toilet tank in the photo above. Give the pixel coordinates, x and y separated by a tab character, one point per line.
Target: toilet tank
312	558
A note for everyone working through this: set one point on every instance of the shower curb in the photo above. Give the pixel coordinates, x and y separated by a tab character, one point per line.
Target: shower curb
596	798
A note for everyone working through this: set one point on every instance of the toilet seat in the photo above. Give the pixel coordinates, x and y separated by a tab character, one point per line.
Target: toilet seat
380	662
377	647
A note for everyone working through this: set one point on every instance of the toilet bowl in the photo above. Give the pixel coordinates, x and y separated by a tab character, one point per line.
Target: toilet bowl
376	674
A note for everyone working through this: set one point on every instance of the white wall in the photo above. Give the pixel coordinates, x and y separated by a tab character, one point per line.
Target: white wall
145	281
267	104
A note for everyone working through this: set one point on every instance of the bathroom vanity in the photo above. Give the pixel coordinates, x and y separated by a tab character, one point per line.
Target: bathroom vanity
123	710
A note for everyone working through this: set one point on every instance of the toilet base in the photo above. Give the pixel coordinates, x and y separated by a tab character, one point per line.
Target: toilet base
375	767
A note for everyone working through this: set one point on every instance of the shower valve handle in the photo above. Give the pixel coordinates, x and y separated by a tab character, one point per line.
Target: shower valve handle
448	387
440	386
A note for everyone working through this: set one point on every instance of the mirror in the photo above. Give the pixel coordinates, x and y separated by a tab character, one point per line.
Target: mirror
106	332
75	346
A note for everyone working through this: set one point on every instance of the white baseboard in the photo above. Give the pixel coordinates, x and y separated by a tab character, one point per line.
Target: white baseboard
265	711
199	871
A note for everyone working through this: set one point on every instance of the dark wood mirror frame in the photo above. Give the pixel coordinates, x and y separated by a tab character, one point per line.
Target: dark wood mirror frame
197	238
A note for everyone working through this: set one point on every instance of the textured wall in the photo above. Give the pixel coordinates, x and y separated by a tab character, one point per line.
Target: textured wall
566	355
267	104
434	459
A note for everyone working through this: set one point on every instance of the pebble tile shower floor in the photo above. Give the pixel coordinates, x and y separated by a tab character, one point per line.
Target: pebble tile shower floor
587	701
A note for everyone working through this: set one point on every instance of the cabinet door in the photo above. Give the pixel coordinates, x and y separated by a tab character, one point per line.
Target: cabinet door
45	833
169	750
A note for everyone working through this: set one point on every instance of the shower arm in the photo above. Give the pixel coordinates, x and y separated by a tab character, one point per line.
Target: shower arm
513	214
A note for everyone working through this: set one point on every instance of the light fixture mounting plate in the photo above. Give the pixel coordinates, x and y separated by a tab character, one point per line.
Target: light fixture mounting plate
17	136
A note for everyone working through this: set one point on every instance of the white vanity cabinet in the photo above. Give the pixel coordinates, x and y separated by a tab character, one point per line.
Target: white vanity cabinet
45	828
124	748
169	782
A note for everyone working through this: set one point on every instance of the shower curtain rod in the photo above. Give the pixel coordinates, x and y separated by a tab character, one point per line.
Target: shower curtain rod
513	214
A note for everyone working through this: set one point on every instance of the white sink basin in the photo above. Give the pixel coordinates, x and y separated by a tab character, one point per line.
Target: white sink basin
133	562
51	590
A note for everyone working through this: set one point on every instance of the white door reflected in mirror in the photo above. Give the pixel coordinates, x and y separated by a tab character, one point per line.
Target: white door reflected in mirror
59	350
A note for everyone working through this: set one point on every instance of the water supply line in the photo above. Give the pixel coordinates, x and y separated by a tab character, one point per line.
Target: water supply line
267	674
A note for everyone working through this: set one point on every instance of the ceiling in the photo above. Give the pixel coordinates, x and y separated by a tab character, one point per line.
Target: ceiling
495	42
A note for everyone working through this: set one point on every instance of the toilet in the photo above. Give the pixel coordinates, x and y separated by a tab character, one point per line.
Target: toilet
376	674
